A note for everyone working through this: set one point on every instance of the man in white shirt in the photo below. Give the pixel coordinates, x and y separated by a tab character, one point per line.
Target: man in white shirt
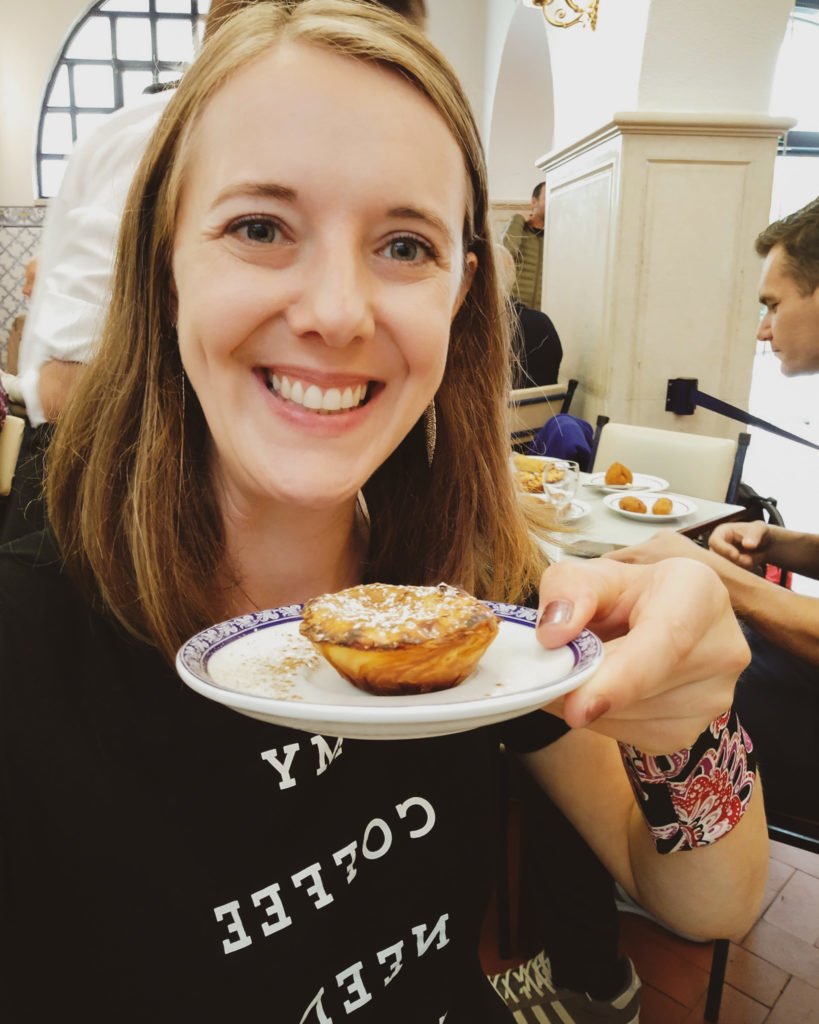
76	254
74	269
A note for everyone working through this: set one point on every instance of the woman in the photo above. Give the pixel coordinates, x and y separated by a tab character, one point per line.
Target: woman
277	337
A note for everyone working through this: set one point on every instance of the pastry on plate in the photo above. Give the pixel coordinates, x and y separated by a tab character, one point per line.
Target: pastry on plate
532	483
527	463
389	639
632	504
618	475
529	472
663	507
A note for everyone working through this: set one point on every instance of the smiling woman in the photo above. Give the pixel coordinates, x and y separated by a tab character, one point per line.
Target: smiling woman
315	318
302	387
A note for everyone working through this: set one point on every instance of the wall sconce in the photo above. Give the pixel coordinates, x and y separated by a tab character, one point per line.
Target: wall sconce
565	13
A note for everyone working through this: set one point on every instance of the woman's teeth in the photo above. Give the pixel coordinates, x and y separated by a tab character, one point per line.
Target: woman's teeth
310	396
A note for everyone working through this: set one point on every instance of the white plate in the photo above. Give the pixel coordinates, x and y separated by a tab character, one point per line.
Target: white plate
577	510
285	681
640	482
679	507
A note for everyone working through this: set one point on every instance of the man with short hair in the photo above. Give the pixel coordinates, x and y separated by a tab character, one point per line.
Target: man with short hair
778	695
523	237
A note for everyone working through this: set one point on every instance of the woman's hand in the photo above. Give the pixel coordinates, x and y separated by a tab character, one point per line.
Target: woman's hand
663	544
674	648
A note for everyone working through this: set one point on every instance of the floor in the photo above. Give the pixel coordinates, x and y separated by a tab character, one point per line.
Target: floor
772	975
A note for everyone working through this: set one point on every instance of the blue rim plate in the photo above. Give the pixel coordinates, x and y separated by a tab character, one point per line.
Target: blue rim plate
261	666
680	507
641	482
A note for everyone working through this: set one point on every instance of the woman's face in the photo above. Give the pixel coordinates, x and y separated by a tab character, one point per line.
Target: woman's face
318	264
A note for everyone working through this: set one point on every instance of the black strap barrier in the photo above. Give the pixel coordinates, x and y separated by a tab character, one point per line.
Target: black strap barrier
683	396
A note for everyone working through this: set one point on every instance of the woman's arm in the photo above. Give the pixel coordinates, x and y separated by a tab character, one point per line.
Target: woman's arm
709	892
674	650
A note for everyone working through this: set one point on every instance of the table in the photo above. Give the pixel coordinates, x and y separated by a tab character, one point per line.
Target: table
608	530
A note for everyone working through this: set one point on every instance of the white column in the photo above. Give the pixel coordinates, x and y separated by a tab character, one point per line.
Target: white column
649	269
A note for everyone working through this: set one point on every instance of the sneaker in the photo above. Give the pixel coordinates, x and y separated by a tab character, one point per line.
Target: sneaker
529	992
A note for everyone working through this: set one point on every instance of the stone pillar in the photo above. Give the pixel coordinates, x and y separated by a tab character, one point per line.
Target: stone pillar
649	267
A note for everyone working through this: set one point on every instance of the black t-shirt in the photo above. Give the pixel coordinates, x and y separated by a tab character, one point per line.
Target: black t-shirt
167	859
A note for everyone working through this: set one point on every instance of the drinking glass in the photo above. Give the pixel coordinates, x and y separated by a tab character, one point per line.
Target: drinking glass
561	478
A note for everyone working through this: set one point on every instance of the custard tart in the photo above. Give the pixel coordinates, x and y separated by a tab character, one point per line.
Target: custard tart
389	639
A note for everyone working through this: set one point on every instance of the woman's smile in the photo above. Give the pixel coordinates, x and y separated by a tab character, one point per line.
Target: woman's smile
324	398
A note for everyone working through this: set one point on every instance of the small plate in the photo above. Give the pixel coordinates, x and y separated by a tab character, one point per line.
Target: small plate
261	666
577	510
641	482
679	507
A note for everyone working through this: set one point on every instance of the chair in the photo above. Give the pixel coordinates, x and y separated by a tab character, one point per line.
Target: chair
530	408
11	438
801	833
694	464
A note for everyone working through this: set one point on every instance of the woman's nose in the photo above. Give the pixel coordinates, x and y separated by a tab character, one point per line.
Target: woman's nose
334	301
764	330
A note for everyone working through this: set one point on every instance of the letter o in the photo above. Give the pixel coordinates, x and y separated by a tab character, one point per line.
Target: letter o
386	840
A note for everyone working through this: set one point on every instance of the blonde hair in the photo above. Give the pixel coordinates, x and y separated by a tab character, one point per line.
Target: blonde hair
128	485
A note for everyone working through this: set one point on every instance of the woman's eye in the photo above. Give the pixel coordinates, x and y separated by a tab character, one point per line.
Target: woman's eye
408	249
258	230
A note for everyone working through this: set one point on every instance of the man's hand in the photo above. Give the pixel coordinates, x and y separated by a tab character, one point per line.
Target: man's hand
745	544
673	653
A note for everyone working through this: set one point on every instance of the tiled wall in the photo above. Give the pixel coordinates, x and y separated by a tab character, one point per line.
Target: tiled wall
20	228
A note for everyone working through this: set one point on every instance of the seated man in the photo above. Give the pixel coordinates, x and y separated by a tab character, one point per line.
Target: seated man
778	694
537	344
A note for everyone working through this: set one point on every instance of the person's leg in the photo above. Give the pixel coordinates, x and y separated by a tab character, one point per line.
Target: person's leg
570	898
569	926
777	700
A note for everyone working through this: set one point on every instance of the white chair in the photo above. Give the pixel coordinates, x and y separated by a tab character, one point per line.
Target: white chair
694	464
530	408
11	438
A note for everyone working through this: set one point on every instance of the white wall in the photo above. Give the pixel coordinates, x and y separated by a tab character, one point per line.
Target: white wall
32	33
522	112
458	29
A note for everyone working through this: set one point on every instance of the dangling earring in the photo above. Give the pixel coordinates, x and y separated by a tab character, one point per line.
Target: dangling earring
430	430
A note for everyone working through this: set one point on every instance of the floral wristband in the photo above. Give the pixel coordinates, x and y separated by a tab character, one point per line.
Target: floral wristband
696	796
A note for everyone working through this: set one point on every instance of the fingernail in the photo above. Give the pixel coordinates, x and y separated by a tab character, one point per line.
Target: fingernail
555	613
596	708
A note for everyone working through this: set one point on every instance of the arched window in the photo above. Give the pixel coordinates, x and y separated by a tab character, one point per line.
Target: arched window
117	50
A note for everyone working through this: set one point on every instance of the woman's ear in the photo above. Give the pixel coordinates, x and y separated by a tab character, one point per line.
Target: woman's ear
470	266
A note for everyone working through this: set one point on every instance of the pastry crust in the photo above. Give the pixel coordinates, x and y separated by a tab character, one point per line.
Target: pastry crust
663	507
388	639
